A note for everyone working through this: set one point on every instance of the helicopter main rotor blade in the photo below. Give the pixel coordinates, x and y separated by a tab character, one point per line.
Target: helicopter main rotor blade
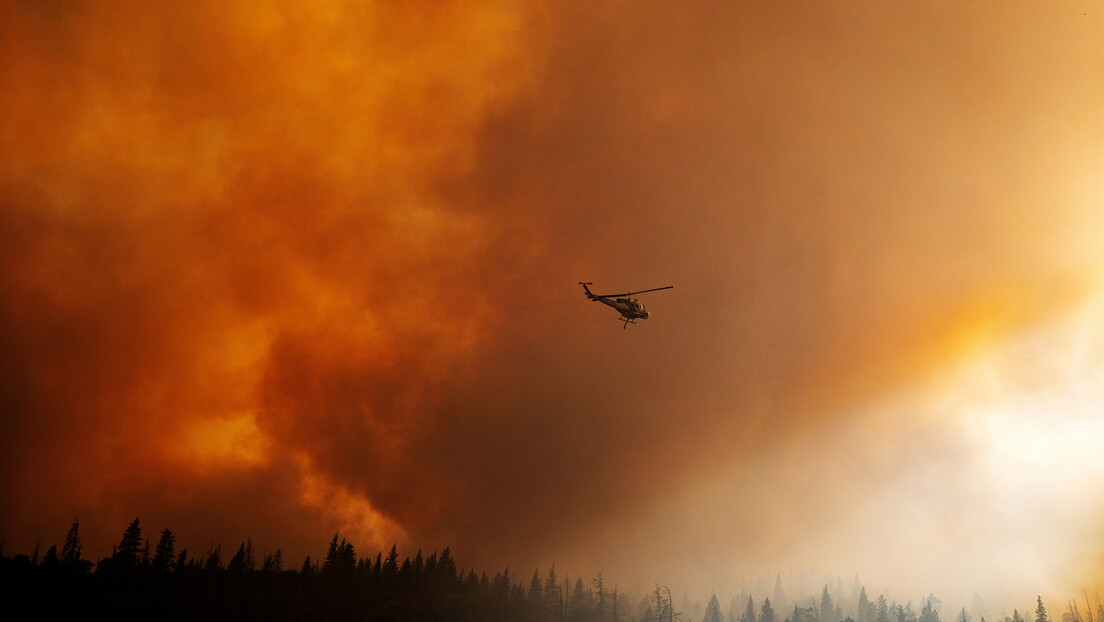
643	291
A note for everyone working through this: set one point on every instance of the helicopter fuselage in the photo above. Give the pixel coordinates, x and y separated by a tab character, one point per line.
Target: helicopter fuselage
630	309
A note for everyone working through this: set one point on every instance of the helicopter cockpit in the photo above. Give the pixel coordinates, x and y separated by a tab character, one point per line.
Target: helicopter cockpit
634	306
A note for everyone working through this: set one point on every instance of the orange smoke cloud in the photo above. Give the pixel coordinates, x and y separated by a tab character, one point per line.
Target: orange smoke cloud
199	202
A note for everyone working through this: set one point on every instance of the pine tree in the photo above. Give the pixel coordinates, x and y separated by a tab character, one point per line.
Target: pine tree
534	600
390	566
713	611
406	573
779	593
882	610
471	582
661	605
163	556
827	611
331	555
928	612
645	607
1041	612
500	591
580	601
214	559
766	614
749	611
237	562
417	569
446	567
130	545
600	604
50	560
553	595
341	558
865	609
71	550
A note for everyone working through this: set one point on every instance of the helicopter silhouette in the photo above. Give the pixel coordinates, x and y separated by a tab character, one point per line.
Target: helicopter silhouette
630	308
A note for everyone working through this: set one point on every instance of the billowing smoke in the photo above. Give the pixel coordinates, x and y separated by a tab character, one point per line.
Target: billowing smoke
280	271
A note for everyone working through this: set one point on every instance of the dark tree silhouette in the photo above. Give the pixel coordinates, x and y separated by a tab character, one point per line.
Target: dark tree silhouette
553	596
446	568
237	563
127	552
534	599
662	606
341	557
347	588
164	555
71	550
417	570
580	605
601	604
50	560
214	558
390	567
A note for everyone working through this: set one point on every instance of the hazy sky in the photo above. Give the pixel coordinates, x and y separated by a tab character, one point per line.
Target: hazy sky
283	269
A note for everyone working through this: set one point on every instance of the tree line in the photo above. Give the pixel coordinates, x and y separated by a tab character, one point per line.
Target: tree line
144	580
147	580
863	609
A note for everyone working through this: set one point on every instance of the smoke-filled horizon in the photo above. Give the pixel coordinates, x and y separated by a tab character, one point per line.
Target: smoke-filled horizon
280	271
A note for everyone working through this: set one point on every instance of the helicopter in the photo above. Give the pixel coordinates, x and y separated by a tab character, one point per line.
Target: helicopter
630	308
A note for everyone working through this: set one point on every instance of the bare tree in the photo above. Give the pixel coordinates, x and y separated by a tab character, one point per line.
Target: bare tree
662	606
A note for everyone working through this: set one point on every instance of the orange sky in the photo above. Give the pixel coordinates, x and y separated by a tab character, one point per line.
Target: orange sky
284	270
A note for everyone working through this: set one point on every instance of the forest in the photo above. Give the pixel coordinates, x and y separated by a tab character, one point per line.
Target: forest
154	581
